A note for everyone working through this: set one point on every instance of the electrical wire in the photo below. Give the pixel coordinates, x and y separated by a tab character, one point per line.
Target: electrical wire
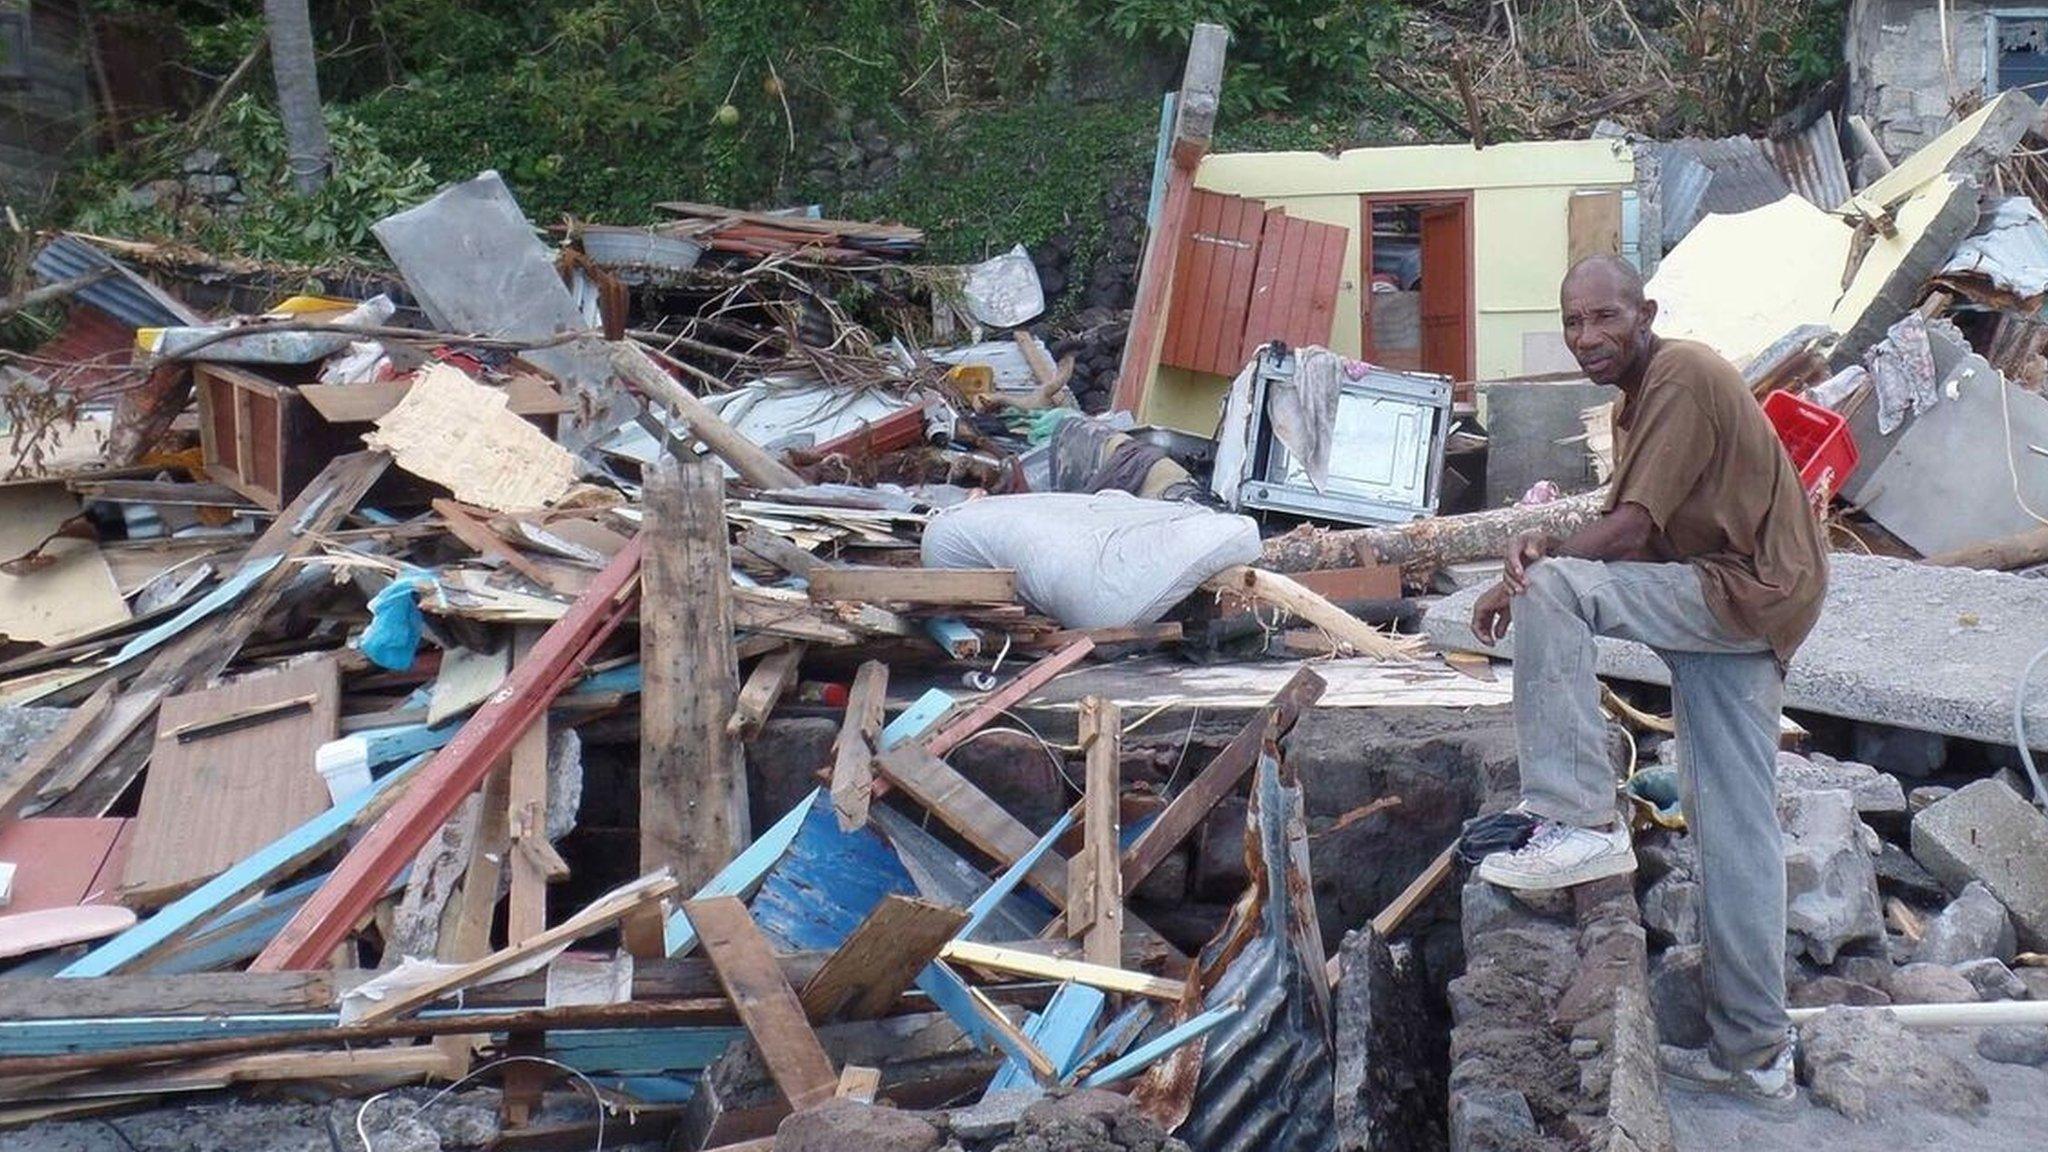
2012	467
596	1096
2019	728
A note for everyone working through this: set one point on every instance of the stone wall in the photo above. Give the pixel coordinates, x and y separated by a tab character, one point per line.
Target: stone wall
1896	77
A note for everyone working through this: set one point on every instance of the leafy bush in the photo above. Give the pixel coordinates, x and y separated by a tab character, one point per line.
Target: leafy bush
1282	52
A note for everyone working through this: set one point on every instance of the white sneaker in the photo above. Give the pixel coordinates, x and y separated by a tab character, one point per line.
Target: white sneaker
1773	1085
1560	855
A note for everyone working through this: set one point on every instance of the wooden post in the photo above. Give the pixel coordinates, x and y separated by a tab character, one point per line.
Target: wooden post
1095	903
533	859
693	785
853	753
1201	87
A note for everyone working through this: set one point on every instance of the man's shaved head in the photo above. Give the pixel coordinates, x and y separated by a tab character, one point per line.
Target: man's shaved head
1607	320
1607	270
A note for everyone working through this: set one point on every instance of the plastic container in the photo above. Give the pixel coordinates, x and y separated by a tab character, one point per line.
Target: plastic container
1818	441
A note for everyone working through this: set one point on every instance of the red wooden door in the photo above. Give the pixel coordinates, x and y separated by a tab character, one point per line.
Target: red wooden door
1447	291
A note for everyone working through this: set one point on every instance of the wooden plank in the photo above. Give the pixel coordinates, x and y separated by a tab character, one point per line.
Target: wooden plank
1095	905
771	676
1315	294
1220	347
532	857
853	752
857	1083
478	537
743	874
754	464
113	751
970	812
1193	275
1280	591
915	585
1061	1032
979	714
26	932
779	552
600	915
880	960
1291	266
364	874
467	934
1219	778
1022	962
1268	290
693	783
211	801
279	858
1592	225
525	395
767	1006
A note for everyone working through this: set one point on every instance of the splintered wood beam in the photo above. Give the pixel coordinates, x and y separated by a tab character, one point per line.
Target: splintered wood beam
1022	962
534	862
1220	777
915	585
880	960
1095	905
770	677
969	811
755	464
978	715
767	1007
1285	593
853	753
693	785
365	874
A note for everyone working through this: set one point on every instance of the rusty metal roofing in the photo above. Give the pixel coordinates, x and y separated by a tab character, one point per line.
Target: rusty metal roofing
1266	1079
1811	162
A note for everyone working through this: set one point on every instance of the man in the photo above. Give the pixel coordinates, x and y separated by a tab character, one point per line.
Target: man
1709	553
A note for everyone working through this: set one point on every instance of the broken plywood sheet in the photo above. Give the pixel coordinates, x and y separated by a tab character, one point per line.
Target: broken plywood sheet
62	861
1737	282
466	679
69	595
460	434
216	792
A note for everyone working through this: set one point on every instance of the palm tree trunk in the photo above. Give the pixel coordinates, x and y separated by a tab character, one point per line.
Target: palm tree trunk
298	92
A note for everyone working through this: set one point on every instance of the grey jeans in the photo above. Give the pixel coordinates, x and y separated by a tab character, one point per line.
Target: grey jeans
1727	691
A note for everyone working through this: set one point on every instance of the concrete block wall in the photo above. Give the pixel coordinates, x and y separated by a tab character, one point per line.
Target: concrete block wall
1896	77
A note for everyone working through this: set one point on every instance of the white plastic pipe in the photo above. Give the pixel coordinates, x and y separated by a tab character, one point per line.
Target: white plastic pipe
1950	1015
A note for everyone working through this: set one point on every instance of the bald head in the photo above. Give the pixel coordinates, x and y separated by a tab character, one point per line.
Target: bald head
1607	272
1607	320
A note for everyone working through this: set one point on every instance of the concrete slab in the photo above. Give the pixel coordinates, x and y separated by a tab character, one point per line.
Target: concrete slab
1530	427
1900	643
2014	1122
1986	832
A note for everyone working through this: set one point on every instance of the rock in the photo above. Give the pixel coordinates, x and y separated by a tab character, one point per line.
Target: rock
1986	832
1973	926
203	160
1635	1100
840	1124
210	185
1084	1120
1485	908
1929	984
2015	1044
1992	980
1660	852
1831	991
1671	909
994	1115
1678	997
1389	1091
1864	1063
1920	798
1873	791
1863	968
399	1126
1611	954
1491	1120
1898	874
2036	980
1831	885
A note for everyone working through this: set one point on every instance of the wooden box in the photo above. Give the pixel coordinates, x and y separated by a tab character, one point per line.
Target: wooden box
267	439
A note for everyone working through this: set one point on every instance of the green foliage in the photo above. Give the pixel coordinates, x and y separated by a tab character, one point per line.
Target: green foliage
275	223
1282	52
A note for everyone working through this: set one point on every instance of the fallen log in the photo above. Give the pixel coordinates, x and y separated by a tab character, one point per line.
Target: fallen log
1421	547
2002	555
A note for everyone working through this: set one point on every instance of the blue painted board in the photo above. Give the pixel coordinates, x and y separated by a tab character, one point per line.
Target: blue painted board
745	872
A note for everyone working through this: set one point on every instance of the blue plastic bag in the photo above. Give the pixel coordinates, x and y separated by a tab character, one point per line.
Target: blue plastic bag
393	638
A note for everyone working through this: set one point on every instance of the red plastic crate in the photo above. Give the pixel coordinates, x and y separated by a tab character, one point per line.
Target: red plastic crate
1818	441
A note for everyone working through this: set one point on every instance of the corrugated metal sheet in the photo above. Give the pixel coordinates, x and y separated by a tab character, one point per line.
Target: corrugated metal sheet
2009	250
1681	188
1744	178
124	295
1811	162
1266	1079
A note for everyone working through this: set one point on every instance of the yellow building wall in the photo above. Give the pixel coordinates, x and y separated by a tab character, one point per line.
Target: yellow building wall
1520	197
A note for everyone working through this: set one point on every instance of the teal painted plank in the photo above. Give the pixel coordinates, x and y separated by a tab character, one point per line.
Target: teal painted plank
1061	1032
240	934
743	875
261	867
992	897
56	1037
954	636
205	606
921	715
1118	1034
642	1051
949	992
1160	1046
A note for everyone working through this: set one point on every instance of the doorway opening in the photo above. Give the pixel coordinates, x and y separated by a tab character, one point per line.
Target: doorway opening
1418	275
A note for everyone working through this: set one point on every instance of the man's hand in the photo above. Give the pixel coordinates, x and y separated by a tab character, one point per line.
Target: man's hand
1492	614
1527	549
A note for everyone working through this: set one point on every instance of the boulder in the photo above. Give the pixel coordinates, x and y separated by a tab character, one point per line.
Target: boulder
1678	996
1930	984
1832	991
1992	980
1872	792
1972	927
1491	1120
1864	1064
1986	832
1671	909
1831	885
840	1124
1898	874
2015	1044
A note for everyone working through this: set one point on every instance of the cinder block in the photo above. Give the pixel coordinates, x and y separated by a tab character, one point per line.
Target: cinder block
1987	832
